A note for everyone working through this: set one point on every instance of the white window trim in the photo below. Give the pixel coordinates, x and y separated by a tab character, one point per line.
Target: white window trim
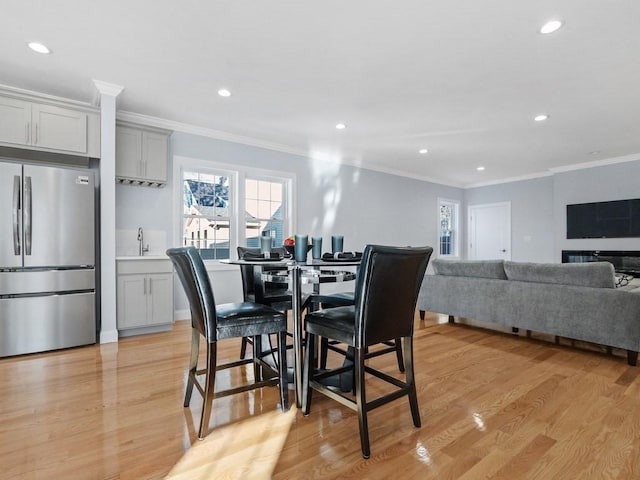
456	227
237	175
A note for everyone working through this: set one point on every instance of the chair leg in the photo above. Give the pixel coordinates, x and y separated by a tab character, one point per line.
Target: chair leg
243	347
307	372
209	388
398	343
193	365
361	402
282	364
257	356
411	381
324	350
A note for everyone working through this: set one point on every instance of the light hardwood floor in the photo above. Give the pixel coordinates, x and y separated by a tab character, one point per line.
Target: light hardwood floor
492	405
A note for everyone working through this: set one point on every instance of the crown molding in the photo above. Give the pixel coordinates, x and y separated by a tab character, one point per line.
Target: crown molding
205	132
562	169
596	163
138	118
520	178
162	123
403	173
22	92
106	88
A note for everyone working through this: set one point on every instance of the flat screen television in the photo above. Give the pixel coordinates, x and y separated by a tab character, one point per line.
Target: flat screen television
615	219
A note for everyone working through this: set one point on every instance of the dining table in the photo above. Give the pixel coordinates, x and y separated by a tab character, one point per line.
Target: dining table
313	272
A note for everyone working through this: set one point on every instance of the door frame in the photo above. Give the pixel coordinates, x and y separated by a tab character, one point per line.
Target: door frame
470	227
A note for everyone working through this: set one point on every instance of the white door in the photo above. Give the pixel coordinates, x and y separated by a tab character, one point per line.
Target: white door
490	231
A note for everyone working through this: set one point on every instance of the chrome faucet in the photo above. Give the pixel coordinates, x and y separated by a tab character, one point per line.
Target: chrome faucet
141	248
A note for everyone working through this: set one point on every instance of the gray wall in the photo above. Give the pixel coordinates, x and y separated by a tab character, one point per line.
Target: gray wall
371	207
538	208
612	182
532	225
363	205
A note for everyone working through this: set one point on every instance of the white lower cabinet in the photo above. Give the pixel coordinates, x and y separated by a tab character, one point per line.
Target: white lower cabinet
145	295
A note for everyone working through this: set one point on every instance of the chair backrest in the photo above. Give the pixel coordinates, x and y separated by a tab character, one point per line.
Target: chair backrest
386	292
195	281
247	273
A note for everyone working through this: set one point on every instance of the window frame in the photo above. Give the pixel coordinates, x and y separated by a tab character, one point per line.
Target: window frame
456	234
237	175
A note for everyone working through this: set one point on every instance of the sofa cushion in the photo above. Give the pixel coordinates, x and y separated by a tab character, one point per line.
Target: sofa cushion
596	274
623	280
470	268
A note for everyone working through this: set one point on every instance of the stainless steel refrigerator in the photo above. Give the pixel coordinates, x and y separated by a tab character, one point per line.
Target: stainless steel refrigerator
47	258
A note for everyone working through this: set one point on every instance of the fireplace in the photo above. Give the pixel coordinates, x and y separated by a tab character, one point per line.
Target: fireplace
624	261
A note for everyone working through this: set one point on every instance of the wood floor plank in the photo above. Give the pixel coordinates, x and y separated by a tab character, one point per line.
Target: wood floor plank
493	405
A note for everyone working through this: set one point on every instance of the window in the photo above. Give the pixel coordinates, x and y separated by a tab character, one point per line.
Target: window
223	206
264	207
206	211
448	231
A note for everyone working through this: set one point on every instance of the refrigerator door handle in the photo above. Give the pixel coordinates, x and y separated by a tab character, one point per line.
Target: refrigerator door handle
27	215
16	215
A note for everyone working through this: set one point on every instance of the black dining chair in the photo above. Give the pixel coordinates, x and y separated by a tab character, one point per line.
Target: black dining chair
220	322
386	293
342	299
255	289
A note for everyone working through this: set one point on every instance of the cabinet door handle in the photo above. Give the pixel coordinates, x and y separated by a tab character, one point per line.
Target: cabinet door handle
26	133
36	140
150	283
144	288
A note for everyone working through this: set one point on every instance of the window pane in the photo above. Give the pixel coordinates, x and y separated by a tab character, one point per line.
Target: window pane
264	211
447	229
251	189
211	237
253	233
276	192
206	210
251	206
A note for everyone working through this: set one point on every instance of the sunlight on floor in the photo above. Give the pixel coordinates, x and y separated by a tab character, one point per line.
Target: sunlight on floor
251	449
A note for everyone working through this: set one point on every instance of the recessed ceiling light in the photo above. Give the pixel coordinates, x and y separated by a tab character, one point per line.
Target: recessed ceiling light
551	26
223	92
480	169
423	151
39	47
341	126
541	118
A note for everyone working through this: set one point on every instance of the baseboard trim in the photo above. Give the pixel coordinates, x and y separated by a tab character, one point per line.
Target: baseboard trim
108	336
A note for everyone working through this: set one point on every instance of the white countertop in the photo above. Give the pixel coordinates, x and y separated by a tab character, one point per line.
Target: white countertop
144	257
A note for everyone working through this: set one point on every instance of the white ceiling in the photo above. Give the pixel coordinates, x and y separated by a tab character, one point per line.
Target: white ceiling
462	78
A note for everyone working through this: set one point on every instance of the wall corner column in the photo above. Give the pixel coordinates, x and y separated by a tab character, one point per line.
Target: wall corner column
108	93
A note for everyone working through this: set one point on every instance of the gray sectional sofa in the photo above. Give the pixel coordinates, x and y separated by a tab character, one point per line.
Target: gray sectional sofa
574	300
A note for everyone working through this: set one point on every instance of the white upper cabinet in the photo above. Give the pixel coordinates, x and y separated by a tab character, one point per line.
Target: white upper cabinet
15	116
141	155
128	152
27	123
59	128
